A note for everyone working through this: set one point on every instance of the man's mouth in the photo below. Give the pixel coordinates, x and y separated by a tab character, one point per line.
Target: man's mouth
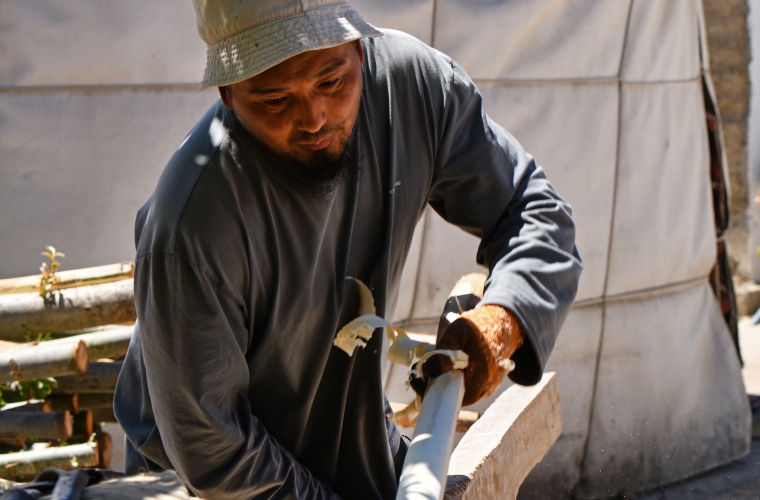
319	143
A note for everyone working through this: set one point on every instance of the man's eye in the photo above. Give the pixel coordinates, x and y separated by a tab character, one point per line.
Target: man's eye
330	83
274	102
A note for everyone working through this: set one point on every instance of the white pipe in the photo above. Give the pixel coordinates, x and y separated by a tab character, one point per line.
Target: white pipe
427	460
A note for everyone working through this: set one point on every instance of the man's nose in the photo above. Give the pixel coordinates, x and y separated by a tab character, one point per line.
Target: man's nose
312	114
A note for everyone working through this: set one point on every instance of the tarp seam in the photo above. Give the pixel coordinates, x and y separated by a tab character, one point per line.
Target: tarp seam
592	403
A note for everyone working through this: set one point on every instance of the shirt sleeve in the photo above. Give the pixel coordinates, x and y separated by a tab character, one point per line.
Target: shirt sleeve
485	183
194	338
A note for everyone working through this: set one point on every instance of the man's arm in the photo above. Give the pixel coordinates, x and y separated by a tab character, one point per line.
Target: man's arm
194	338
488	185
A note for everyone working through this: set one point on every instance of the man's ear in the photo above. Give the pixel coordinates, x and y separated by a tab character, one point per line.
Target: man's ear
360	51
226	94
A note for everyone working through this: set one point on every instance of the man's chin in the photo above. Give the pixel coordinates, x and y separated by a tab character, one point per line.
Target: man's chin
318	174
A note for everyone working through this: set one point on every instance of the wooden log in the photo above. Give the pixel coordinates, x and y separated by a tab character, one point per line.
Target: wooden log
423	476
83	425
95	401
104	415
11	444
7	344
465	419
111	343
105	448
66	310
100	379
65	402
27	463
70	279
40	425
46	359
495	456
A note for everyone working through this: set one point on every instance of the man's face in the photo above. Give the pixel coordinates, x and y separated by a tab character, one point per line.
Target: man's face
304	108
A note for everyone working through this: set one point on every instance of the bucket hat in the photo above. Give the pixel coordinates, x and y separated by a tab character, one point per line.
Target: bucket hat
247	37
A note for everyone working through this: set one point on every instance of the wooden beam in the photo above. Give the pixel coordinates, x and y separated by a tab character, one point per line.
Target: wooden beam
67	310
495	456
69	279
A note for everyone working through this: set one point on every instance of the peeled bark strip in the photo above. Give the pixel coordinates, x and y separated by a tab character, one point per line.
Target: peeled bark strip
27	463
100	379
67	310
108	344
40	425
69	279
46	359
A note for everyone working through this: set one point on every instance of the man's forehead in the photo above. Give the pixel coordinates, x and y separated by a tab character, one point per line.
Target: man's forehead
305	66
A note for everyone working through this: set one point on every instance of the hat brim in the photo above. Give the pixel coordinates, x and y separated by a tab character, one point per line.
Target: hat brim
259	48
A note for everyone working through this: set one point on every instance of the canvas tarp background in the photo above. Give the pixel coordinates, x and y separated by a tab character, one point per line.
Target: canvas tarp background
608	97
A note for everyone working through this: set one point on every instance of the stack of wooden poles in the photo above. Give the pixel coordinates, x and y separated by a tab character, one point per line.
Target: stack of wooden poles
90	315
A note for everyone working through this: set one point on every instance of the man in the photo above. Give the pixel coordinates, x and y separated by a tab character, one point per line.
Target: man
329	141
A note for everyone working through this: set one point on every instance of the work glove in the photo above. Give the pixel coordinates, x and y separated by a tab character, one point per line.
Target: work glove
488	334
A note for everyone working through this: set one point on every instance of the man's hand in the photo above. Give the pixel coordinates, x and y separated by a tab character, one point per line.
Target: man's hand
489	335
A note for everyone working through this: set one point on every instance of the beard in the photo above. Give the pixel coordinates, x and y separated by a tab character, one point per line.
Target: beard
317	176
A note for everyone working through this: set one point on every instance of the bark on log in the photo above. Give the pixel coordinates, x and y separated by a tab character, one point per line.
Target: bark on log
104	415
105	448
95	401
27	463
502	447
83	425
100	379
111	343
69	403
69	279
40	425
11	444
67	310
46	359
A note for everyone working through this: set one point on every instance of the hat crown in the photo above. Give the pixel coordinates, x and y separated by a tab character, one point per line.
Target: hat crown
220	19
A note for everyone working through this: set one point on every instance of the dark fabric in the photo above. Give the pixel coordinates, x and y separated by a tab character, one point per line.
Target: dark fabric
232	379
398	458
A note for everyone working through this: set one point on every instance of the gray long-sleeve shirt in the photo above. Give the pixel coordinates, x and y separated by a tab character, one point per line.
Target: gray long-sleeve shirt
232	378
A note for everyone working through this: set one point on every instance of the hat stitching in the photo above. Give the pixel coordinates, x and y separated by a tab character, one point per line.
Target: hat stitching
283	16
221	70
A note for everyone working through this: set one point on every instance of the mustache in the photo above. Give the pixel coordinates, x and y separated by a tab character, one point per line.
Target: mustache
302	137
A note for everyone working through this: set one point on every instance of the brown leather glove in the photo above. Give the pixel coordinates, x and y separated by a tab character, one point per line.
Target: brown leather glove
489	334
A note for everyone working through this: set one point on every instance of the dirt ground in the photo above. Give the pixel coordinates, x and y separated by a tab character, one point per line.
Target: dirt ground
739	480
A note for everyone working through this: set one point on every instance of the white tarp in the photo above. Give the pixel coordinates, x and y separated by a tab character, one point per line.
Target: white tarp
95	96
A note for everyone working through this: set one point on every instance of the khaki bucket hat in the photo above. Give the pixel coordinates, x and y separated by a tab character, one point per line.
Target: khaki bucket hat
246	37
